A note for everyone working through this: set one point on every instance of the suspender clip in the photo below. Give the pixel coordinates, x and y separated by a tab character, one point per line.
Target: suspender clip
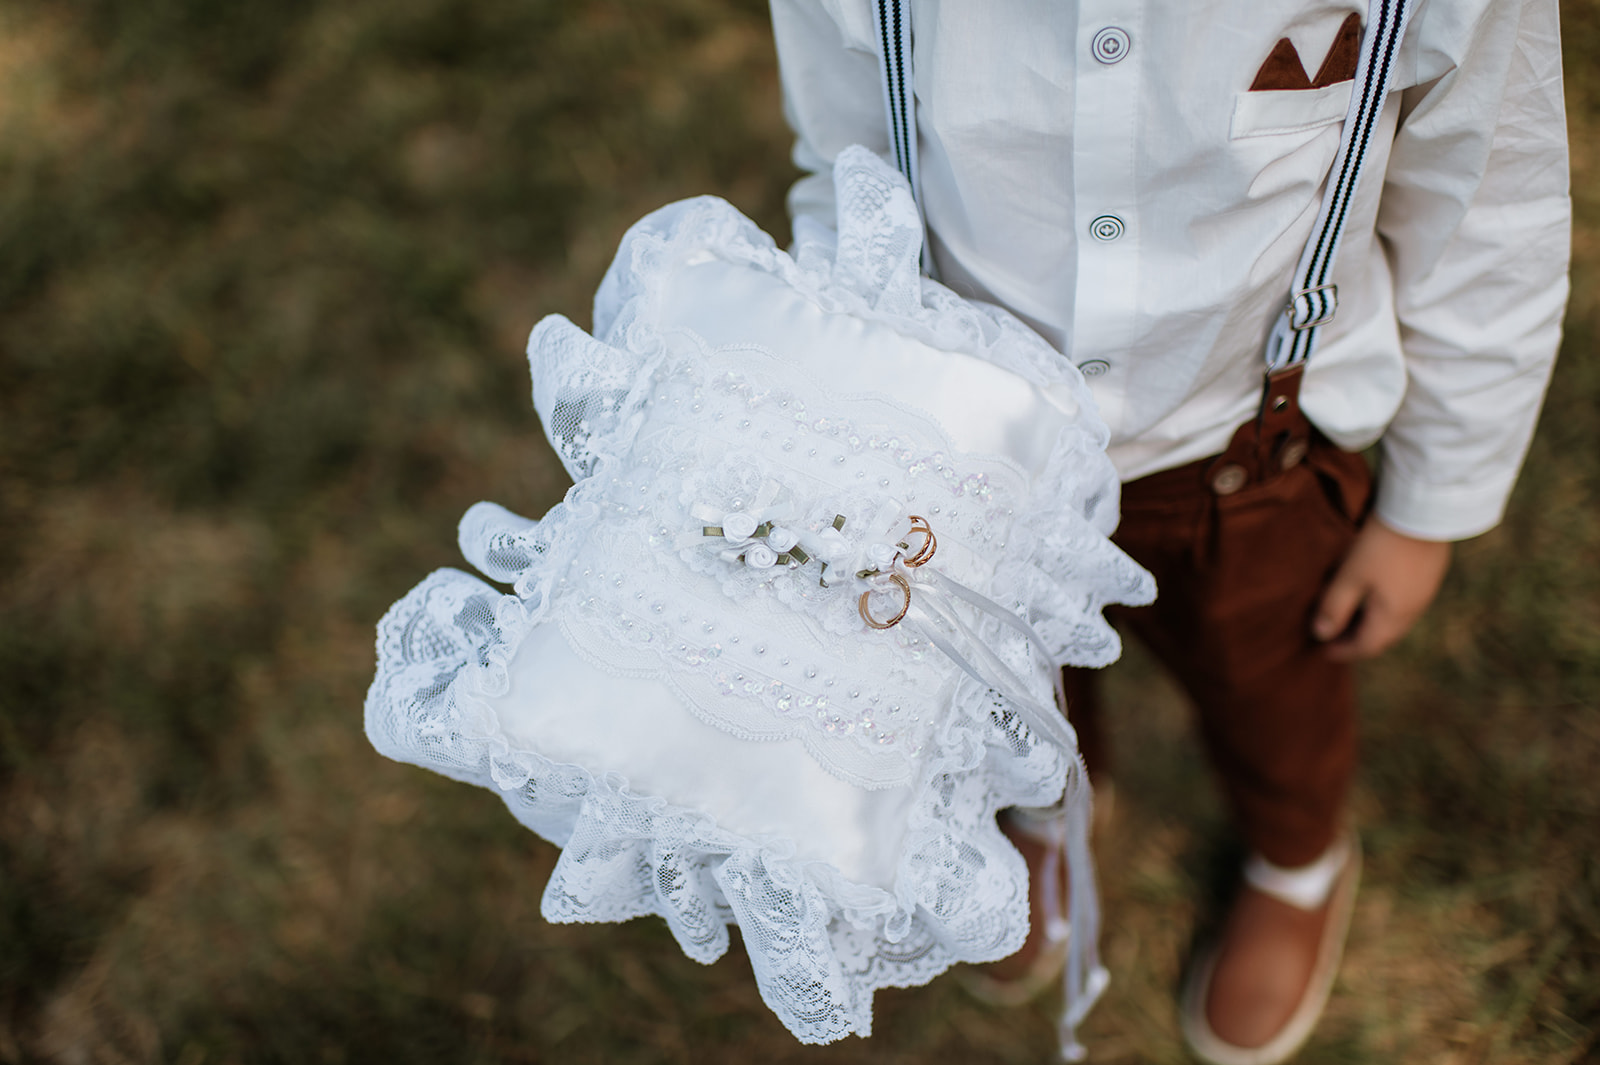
1310	307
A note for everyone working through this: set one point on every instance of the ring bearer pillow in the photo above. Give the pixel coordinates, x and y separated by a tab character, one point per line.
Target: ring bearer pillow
787	645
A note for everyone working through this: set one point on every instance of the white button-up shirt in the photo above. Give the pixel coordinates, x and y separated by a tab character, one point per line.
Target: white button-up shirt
1104	170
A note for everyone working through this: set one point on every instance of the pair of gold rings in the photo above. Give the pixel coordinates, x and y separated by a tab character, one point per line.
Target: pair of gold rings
923	553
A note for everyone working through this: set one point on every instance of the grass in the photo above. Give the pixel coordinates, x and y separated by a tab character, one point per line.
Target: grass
265	275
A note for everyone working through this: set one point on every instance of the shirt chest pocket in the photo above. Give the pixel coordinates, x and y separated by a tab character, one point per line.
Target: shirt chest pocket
1278	111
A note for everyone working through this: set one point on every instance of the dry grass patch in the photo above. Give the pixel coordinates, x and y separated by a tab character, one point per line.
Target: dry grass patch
266	272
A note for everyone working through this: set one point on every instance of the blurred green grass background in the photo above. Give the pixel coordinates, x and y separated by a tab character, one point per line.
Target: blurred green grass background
265	276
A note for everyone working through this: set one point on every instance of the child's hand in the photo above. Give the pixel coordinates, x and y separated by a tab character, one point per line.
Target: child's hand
1384	584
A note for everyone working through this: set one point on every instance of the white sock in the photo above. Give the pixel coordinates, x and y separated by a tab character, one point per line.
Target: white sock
1306	887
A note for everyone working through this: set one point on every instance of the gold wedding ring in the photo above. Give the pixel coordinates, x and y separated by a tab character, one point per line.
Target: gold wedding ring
930	542
923	553
866	612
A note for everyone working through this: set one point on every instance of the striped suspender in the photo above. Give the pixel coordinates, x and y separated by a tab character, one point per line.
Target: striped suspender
1314	298
892	20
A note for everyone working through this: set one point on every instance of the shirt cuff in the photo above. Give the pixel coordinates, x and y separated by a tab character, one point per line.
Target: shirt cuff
1439	512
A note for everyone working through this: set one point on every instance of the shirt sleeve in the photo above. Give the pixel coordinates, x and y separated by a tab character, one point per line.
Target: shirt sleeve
831	96
1476	221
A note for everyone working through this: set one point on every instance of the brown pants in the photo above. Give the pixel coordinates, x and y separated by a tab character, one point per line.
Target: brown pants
1241	546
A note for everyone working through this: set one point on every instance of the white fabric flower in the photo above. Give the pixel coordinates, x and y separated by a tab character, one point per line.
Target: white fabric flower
738	526
760	556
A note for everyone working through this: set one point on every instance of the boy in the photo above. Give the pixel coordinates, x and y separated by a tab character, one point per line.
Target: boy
1137	182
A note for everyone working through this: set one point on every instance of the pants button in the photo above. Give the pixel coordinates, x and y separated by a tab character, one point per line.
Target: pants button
1229	479
1294	451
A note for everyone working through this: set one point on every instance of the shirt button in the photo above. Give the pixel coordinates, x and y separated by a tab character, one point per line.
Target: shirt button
1106	228
1094	367
1110	45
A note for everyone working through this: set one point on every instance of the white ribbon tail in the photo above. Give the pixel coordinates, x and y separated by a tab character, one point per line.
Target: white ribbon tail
988	606
1085	978
1076	918
1078	921
1045	721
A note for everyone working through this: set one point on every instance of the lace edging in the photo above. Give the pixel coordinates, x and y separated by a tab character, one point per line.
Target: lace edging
820	945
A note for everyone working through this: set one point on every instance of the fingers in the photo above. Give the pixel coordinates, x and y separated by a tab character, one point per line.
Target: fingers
1379	591
1378	627
1340	601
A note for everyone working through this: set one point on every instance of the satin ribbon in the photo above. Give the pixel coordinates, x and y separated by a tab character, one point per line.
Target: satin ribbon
1064	829
930	604
1044	721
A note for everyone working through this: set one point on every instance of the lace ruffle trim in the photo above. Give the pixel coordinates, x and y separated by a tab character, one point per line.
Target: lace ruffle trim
820	944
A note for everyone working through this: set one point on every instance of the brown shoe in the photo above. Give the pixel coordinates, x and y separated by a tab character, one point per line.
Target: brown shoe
1254	996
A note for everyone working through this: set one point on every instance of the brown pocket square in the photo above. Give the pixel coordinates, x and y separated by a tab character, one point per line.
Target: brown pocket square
1283	69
